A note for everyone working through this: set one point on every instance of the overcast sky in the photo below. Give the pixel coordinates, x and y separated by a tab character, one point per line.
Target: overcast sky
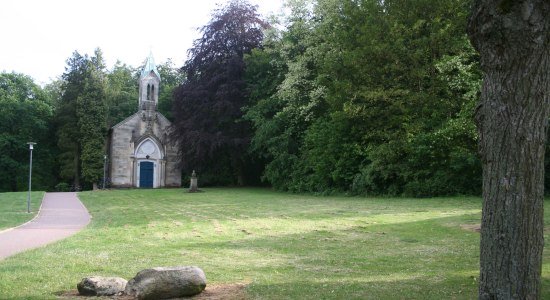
38	36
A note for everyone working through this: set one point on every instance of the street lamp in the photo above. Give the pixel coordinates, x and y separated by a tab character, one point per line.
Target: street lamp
104	169
31	144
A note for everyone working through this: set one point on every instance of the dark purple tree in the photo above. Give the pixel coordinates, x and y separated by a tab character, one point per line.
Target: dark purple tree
207	107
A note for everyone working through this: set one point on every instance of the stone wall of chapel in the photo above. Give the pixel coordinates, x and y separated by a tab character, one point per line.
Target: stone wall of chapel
126	136
122	149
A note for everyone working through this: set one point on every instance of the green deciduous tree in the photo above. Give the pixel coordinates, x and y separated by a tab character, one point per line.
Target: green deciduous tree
444	160
285	98
121	93
26	112
358	96
171	78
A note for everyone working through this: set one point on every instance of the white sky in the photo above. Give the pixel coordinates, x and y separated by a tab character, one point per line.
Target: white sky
38	36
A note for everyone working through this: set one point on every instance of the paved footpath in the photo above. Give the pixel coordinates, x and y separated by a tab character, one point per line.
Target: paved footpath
61	215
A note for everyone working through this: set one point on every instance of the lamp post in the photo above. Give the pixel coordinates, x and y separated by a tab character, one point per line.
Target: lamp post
31	144
104	169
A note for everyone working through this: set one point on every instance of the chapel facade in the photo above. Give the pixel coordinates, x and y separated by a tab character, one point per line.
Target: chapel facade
140	150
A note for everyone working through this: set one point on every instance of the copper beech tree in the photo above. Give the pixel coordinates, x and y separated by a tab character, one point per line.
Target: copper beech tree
512	119
207	107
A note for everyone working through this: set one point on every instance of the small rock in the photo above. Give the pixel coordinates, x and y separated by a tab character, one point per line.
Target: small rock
101	286
166	283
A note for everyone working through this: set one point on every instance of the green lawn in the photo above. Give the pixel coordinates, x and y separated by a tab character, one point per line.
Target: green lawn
13	208
283	246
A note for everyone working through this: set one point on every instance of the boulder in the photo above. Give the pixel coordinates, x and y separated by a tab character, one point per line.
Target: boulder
101	286
167	283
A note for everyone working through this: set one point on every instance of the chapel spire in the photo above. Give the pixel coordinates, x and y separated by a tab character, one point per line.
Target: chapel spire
150	66
149	83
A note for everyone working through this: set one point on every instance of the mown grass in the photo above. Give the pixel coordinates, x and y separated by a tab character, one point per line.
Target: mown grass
13	208
283	246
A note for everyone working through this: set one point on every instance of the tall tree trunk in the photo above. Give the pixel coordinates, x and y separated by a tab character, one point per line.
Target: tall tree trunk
512	39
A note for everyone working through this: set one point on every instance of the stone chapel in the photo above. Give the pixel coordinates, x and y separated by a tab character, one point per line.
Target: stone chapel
141	153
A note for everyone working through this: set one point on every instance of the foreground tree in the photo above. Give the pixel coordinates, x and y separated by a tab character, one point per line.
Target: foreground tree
207	108
512	39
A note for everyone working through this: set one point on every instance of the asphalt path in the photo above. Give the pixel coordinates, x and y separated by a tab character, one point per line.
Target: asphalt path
61	215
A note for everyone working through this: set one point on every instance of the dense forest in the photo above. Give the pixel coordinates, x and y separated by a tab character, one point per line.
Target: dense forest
361	97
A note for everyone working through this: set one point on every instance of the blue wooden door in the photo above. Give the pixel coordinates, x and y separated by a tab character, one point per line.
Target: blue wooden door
146	174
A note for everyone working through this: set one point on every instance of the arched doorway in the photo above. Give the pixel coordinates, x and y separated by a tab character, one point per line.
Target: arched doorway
149	168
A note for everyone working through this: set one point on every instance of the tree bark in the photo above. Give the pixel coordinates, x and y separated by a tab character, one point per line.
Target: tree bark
512	39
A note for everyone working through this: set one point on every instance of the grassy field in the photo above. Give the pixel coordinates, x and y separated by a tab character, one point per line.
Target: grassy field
13	208
282	246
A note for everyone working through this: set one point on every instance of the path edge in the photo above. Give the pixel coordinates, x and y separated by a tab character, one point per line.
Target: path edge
35	216
85	208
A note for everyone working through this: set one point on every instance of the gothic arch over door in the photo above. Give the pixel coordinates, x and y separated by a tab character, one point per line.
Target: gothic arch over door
149	168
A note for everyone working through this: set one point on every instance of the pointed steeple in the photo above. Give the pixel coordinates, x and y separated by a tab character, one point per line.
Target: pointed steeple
150	66
149	83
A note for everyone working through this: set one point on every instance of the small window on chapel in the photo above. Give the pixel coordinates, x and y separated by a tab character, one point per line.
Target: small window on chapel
148	92
153	92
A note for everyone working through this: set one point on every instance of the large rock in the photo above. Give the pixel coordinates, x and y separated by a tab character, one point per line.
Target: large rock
101	286
166	283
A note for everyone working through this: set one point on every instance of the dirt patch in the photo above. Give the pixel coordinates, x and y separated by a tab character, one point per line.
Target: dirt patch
471	227
229	291
73	294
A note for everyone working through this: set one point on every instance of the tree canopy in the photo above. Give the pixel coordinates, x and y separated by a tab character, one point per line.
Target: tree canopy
368	97
26	114
207	108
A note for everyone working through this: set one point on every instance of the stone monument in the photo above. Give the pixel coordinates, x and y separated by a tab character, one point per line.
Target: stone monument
193	187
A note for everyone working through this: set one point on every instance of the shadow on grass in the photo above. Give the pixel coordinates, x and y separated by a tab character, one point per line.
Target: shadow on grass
450	287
